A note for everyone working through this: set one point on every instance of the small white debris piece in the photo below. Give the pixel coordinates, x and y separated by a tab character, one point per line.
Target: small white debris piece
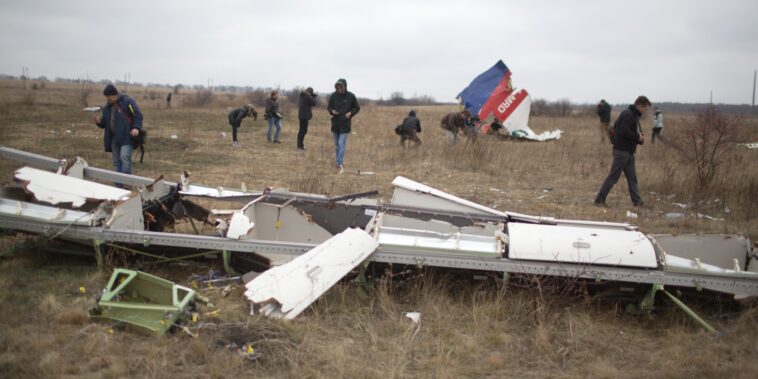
91	109
223	134
673	215
174	136
705	216
286	291
680	205
413	316
727	210
631	214
239	226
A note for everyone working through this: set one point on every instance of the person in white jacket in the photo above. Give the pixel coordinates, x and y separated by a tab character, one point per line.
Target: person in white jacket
657	124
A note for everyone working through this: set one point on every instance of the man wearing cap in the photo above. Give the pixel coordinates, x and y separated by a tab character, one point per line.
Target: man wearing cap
343	106
122	121
304	114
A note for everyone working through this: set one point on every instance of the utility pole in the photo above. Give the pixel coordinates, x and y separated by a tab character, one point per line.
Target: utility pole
24	75
754	75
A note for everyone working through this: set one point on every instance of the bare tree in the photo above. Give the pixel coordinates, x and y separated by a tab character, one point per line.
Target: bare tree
707	143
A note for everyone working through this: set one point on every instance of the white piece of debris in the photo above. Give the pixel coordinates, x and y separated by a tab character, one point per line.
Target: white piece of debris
287	290
631	214
56	189
174	136
91	109
413	316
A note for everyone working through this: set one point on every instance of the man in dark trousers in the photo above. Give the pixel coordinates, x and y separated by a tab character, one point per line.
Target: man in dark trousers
604	112
627	135
236	116
411	127
343	106
122	120
304	114
452	123
168	101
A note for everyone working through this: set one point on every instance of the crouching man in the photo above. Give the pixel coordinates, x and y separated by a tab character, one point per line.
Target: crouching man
122	121
411	126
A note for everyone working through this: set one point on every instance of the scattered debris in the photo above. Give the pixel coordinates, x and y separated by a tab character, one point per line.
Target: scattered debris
705	216
413	316
680	205
753	145
631	214
174	136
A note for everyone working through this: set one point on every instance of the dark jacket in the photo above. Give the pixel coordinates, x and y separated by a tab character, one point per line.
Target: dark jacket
627	130
236	116
306	102
128	117
453	122
411	124
342	103
272	109
604	111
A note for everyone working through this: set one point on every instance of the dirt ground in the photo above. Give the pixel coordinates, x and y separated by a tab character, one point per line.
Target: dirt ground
468	328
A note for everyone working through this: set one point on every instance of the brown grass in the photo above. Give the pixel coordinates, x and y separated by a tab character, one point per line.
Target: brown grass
467	330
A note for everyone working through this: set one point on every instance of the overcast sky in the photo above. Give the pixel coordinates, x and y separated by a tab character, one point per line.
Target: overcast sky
668	50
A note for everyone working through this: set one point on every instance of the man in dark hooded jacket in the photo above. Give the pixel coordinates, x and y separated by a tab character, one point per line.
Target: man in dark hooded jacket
304	114
627	135
604	112
343	106
122	120
411	126
236	116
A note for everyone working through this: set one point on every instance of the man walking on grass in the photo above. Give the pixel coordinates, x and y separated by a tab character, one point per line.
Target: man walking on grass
304	114
122	121
343	106
627	134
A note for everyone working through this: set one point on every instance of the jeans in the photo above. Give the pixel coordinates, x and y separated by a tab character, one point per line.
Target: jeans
122	159
301	133
340	144
622	161
273	121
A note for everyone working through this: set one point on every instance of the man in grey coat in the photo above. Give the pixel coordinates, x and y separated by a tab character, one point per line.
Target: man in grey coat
627	134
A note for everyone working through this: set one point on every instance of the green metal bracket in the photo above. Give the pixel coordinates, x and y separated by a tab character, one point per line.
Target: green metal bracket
227	258
363	285
647	304
97	244
144	301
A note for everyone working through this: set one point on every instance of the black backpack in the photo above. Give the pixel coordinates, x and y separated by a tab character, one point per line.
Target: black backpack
399	130
141	138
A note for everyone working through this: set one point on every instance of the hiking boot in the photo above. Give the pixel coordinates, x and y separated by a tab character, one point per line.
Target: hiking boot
640	204
340	169
601	204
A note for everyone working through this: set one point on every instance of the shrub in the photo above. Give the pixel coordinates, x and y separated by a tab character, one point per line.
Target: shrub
707	143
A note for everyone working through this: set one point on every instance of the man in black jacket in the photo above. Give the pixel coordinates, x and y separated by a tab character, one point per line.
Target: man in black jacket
411	127
304	114
604	112
236	116
343	106
627	135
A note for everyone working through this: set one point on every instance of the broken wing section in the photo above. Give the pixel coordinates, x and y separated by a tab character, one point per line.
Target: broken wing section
286	291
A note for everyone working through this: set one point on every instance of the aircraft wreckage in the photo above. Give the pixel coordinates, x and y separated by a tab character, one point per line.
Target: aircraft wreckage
312	241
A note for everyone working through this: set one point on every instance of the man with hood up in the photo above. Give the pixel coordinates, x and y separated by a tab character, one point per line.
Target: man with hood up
411	126
304	114
343	106
122	121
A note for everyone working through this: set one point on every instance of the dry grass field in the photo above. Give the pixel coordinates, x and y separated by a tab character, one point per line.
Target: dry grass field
468	328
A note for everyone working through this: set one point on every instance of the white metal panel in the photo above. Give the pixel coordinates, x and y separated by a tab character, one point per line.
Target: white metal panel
56	189
437	236
715	249
411	193
585	245
680	264
46	213
285	291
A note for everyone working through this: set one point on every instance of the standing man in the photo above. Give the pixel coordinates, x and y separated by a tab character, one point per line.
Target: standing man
304	114
235	119
411	127
452	123
604	112
343	106
657	124
274	116
627	135
168	101
122	120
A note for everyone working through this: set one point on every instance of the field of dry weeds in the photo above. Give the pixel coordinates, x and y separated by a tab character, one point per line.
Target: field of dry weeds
468	328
